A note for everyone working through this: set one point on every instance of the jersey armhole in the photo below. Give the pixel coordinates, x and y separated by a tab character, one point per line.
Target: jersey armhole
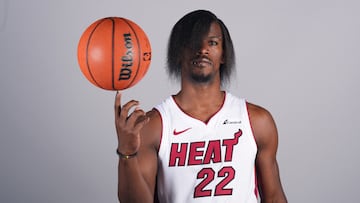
251	127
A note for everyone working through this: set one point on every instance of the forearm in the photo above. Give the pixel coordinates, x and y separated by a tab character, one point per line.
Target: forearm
132	187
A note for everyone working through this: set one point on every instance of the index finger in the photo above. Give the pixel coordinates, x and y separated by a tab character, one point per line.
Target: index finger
117	104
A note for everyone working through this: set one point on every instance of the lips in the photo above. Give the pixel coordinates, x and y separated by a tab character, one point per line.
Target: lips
201	61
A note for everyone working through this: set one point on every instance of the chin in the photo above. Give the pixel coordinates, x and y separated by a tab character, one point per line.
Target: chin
201	78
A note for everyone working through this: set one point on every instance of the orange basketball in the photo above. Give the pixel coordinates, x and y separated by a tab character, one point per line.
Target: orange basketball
114	53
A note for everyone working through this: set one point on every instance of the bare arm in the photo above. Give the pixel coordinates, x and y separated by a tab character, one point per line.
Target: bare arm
266	136
137	133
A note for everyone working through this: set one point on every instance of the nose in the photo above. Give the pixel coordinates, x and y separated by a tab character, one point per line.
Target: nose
203	50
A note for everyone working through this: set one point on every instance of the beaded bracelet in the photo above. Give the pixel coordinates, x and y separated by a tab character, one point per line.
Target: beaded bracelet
123	156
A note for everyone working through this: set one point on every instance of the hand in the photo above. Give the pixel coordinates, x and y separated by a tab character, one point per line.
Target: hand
128	126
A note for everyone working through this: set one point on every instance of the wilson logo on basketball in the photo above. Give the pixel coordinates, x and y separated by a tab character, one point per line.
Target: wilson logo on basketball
127	59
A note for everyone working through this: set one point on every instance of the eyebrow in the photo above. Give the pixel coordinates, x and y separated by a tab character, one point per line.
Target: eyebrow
212	37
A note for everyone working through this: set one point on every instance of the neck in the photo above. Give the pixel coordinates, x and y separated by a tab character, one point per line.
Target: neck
200	102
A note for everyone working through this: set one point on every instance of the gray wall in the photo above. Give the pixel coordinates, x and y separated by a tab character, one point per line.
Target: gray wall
299	59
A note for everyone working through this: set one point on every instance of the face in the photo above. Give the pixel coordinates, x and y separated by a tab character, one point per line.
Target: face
204	65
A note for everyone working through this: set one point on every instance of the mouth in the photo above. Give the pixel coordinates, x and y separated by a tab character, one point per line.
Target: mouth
201	61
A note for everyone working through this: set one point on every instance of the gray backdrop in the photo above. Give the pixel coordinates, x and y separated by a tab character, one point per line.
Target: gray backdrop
298	58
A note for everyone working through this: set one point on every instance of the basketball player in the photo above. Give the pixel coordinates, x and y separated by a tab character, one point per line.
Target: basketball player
202	144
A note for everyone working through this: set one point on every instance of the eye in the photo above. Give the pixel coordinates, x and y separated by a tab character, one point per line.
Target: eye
213	43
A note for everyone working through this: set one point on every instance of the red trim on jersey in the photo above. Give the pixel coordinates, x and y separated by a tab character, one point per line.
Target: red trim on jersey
256	189
206	122
161	133
252	130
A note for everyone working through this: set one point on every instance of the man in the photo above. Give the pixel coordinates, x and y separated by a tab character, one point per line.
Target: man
202	144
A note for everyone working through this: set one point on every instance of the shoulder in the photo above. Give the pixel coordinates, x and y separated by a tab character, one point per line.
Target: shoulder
258	113
151	132
262	123
154	119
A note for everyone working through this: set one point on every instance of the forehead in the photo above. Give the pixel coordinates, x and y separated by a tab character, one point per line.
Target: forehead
215	31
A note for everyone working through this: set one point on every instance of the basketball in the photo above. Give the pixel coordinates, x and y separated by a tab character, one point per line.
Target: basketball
114	53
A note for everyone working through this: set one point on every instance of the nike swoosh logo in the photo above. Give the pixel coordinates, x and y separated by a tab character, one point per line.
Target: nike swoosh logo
179	132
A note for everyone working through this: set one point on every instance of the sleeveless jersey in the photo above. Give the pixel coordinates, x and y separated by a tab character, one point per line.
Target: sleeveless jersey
207	162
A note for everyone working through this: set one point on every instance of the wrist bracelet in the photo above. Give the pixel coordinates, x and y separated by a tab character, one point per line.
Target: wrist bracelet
124	156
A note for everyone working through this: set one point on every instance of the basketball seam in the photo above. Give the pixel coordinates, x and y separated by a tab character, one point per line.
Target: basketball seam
87	53
113	53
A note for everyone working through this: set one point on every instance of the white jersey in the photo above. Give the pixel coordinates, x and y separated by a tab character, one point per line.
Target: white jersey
207	162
